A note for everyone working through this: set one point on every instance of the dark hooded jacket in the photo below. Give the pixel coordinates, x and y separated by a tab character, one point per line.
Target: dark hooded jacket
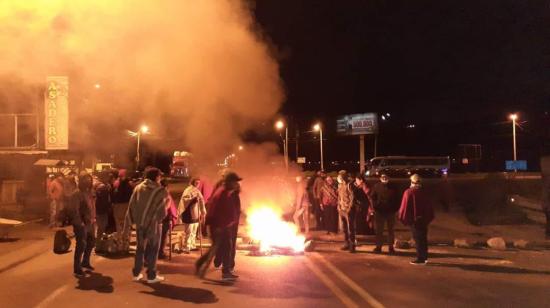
76	210
385	198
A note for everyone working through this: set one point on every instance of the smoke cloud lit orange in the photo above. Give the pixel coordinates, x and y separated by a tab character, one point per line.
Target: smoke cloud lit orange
195	70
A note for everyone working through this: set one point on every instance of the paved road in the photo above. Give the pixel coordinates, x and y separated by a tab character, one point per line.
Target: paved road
325	278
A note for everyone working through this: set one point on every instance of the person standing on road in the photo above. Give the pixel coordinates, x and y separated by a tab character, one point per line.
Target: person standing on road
363	203
123	189
318	184
55	193
417	212
385	199
170	220
221	218
76	212
347	209
301	210
147	209
104	204
192	210
329	204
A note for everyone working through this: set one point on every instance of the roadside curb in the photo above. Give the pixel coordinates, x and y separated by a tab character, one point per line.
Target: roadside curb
457	242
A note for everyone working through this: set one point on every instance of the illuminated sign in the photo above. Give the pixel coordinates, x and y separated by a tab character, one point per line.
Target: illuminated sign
357	124
56	111
516	165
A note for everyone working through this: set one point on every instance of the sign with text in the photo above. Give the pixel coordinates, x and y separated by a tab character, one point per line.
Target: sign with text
357	124
516	165
301	160
56	111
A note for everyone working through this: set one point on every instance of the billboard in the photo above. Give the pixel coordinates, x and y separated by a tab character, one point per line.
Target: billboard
357	124
56	112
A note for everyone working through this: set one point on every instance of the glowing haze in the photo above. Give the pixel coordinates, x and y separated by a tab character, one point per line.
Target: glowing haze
199	64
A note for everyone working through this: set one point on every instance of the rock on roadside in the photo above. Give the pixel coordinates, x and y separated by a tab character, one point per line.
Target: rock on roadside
463	243
522	244
496	243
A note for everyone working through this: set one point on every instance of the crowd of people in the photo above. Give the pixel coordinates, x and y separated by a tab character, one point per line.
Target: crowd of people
351	204
111	203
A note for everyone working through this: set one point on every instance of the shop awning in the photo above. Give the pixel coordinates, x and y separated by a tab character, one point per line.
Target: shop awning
49	162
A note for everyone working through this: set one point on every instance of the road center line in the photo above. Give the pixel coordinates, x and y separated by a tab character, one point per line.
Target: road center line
346	300
354	286
50	298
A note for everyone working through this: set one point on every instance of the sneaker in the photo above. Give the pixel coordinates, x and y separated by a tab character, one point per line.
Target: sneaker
156	280
88	267
162	257
377	250
391	251
200	270
345	247
79	274
352	249
418	262
138	277
229	277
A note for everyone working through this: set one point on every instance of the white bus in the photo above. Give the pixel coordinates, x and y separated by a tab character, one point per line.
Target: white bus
408	165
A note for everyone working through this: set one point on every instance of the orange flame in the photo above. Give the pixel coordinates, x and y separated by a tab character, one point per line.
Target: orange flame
266	226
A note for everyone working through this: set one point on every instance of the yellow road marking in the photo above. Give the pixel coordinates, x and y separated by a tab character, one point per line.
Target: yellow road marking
346	300
354	286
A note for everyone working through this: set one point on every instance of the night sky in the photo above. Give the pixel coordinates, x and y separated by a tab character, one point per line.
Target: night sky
455	69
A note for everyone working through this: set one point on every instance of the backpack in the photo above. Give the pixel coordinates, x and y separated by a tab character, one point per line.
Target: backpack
61	242
186	216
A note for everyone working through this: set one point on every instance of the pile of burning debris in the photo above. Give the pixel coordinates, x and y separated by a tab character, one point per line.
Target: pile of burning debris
271	235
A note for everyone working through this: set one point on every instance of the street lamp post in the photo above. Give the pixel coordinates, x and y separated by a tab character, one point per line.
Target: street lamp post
143	130
280	125
317	127
514	117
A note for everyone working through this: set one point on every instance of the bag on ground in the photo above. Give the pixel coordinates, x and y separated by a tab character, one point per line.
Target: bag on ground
61	242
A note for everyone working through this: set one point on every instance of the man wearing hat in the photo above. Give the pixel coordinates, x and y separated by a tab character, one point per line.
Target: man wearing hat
222	218
385	199
417	212
347	210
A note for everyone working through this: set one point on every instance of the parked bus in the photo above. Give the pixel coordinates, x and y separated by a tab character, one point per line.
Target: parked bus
407	165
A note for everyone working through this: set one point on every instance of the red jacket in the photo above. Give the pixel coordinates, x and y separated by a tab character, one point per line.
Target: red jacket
416	206
224	209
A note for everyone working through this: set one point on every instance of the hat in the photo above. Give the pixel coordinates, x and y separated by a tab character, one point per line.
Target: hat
415	178
231	177
343	173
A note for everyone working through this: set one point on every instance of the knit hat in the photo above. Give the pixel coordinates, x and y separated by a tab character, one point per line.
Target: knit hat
415	179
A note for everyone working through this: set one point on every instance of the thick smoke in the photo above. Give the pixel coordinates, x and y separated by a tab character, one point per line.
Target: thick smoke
195	71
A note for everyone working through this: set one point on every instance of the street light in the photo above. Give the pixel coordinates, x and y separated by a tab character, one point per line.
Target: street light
317	127
279	125
514	117
144	129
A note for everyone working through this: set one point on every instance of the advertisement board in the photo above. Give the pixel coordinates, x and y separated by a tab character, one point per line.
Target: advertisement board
357	124
56	112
